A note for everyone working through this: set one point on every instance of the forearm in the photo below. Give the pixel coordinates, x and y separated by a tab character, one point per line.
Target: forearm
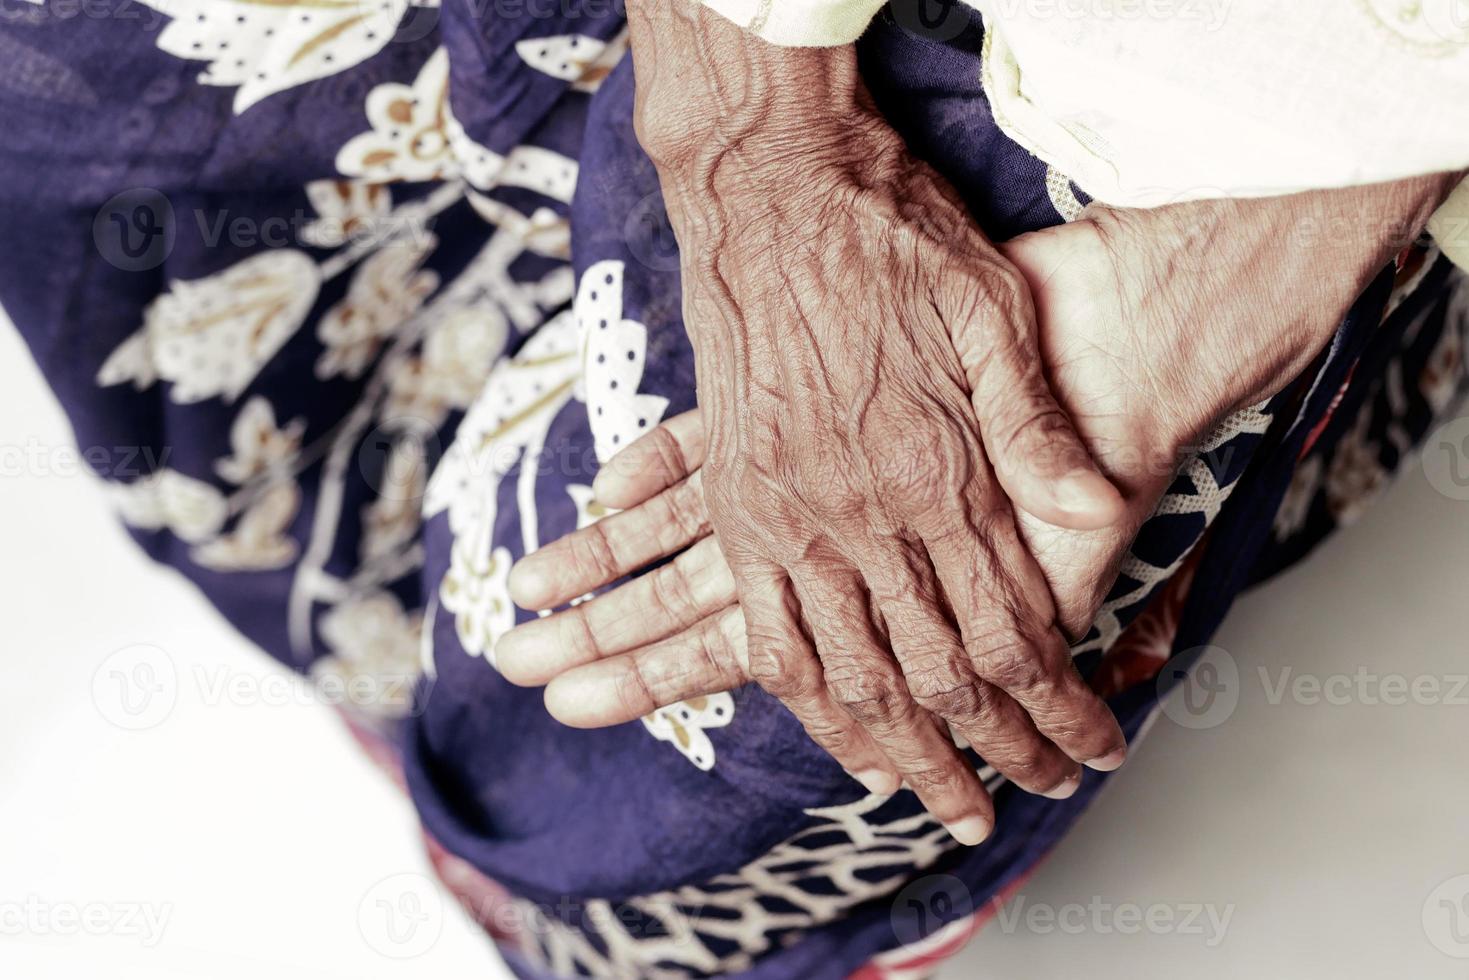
1363	228
1340	239
760	148
1294	265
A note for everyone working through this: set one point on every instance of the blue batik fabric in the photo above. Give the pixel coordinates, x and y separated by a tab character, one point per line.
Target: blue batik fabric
349	302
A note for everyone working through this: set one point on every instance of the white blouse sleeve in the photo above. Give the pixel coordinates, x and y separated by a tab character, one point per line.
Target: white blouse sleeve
1153	102
1213	98
800	23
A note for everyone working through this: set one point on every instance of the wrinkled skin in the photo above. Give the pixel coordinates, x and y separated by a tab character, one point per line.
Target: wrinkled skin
867	372
874	399
1147	347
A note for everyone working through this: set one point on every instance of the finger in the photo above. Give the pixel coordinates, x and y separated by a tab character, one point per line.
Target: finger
1036	453
783	662
941	681
615	546
864	680
1007	622
652	463
651	607
705	659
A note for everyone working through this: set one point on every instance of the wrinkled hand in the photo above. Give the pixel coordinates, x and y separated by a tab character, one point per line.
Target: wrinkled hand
1143	358
848	465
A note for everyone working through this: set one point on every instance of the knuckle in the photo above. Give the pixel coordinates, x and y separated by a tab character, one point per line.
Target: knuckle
591	548
579	636
946	692
830	734
670	596
776	674
1031	767
687	515
870	699
1042	439
667	453
766	669
936	779
1012	666
712	647
632	692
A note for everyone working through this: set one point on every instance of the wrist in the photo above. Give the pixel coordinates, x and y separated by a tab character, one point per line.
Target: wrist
711	96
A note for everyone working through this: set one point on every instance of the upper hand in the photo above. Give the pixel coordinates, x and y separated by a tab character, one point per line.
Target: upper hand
873	402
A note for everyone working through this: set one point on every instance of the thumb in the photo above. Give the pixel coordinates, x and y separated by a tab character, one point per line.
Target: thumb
1034	448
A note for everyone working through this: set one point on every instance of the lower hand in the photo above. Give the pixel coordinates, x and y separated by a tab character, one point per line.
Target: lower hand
1144	358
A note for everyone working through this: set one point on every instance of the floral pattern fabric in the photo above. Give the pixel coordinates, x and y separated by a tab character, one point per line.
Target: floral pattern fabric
366	293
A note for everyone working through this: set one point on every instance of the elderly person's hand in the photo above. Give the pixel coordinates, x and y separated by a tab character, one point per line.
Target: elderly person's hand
830	283
1149	339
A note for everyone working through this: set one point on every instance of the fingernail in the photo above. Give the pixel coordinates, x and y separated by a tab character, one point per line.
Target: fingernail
877	781
1106	763
1065	789
969	831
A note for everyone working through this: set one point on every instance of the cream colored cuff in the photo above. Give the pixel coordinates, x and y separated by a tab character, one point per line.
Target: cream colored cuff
1449	226
800	23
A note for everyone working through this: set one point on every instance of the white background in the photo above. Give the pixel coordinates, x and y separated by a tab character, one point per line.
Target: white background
262	834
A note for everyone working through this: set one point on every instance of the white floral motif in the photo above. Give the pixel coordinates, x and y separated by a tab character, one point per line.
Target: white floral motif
259	540
544	232
211	336
346	209
588	510
267	46
613	353
409	138
167	499
577	58
457	357
476	590
683	725
386	290
132	361
504	427
374	645
414	136
257	444
392	520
